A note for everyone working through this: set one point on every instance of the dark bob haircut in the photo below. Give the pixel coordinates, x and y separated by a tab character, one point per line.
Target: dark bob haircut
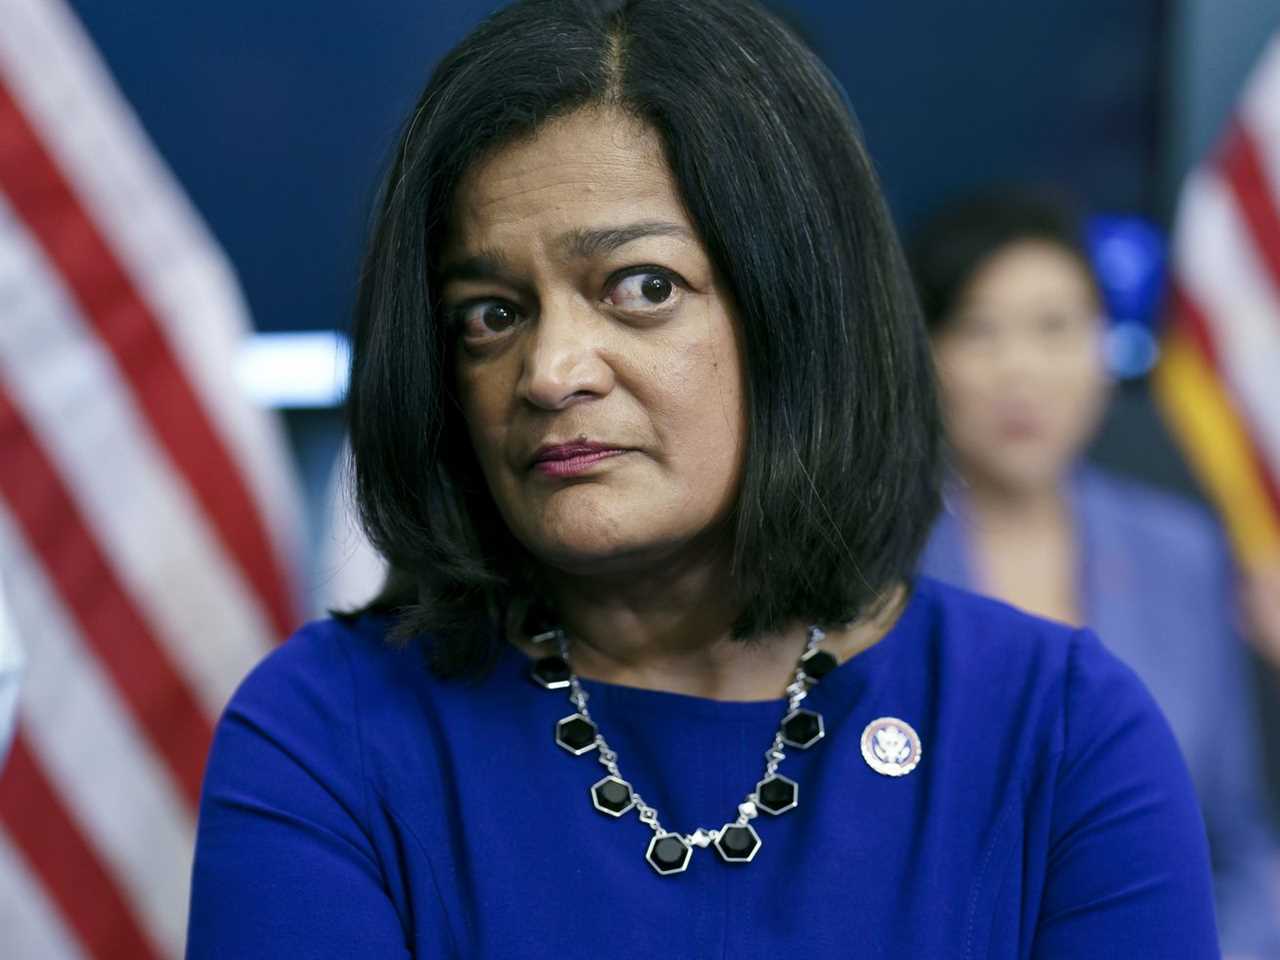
840	482
958	240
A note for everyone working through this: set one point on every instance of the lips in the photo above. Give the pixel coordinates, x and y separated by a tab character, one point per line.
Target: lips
1021	428
568	459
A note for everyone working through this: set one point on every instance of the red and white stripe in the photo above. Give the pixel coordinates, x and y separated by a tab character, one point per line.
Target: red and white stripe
1251	159
67	94
1219	382
117	790
1225	274
35	929
147	512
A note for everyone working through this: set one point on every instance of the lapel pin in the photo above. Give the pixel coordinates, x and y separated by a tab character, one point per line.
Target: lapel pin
891	746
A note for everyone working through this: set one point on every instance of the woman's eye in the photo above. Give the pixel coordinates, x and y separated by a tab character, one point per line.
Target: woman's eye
485	318
642	291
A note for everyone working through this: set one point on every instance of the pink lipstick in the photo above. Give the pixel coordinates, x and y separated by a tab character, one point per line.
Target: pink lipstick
572	459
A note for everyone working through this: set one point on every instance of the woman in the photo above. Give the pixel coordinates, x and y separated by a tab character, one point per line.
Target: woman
1016	321
642	413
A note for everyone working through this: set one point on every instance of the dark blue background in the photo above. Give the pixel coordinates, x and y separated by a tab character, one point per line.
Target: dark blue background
278	117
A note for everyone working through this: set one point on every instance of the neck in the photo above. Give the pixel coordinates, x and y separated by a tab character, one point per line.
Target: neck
669	629
672	630
1025	551
1009	504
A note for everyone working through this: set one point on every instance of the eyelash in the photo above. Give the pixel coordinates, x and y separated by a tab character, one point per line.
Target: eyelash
456	316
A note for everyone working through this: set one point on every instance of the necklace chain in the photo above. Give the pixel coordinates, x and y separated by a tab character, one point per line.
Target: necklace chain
737	840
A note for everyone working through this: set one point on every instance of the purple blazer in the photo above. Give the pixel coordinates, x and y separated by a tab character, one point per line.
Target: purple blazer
1158	589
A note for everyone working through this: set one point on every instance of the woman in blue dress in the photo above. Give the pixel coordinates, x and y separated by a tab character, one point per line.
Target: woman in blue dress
1017	327
642	414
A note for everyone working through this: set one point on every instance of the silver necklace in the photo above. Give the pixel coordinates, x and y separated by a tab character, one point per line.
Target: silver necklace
737	840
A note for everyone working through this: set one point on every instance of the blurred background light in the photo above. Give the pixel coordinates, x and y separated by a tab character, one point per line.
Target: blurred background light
293	371
1129	257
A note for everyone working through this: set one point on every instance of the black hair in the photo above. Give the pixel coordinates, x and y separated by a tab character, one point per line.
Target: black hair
840	481
961	237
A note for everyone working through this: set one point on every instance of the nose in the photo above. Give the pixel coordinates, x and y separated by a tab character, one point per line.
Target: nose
563	363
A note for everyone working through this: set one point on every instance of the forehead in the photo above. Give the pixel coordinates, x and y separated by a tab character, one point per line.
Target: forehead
1036	270
595	167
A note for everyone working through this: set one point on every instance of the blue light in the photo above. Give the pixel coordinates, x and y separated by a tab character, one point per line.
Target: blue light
1129	257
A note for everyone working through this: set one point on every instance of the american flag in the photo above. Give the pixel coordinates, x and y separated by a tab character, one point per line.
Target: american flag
148	515
1219	378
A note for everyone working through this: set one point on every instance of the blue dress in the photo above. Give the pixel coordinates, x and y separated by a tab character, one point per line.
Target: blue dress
1157	587
356	806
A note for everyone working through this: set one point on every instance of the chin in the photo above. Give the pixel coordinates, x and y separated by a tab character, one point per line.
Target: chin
592	529
599	543
588	556
1032	473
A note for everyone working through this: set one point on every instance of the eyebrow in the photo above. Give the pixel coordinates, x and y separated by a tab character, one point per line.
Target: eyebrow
581	243
585	243
485	265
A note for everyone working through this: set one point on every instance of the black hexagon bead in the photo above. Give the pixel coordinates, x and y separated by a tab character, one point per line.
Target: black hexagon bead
737	844
668	853
576	734
816	664
612	796
551	672
776	794
802	728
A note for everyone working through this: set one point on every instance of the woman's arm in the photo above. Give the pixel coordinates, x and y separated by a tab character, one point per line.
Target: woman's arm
283	865
1128	871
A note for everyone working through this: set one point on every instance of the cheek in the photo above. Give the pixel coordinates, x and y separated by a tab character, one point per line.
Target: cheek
1081	393
691	390
484	401
966	385
705	399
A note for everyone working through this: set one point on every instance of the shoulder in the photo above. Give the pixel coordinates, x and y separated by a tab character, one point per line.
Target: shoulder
980	637
343	699
325	659
988	638
320	694
1087	739
293	840
318	709
1048	682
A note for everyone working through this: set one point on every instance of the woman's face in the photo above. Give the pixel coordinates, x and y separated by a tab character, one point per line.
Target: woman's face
598	360
1021	368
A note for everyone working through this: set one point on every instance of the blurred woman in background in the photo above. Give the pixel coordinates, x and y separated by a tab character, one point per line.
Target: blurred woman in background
1017	325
